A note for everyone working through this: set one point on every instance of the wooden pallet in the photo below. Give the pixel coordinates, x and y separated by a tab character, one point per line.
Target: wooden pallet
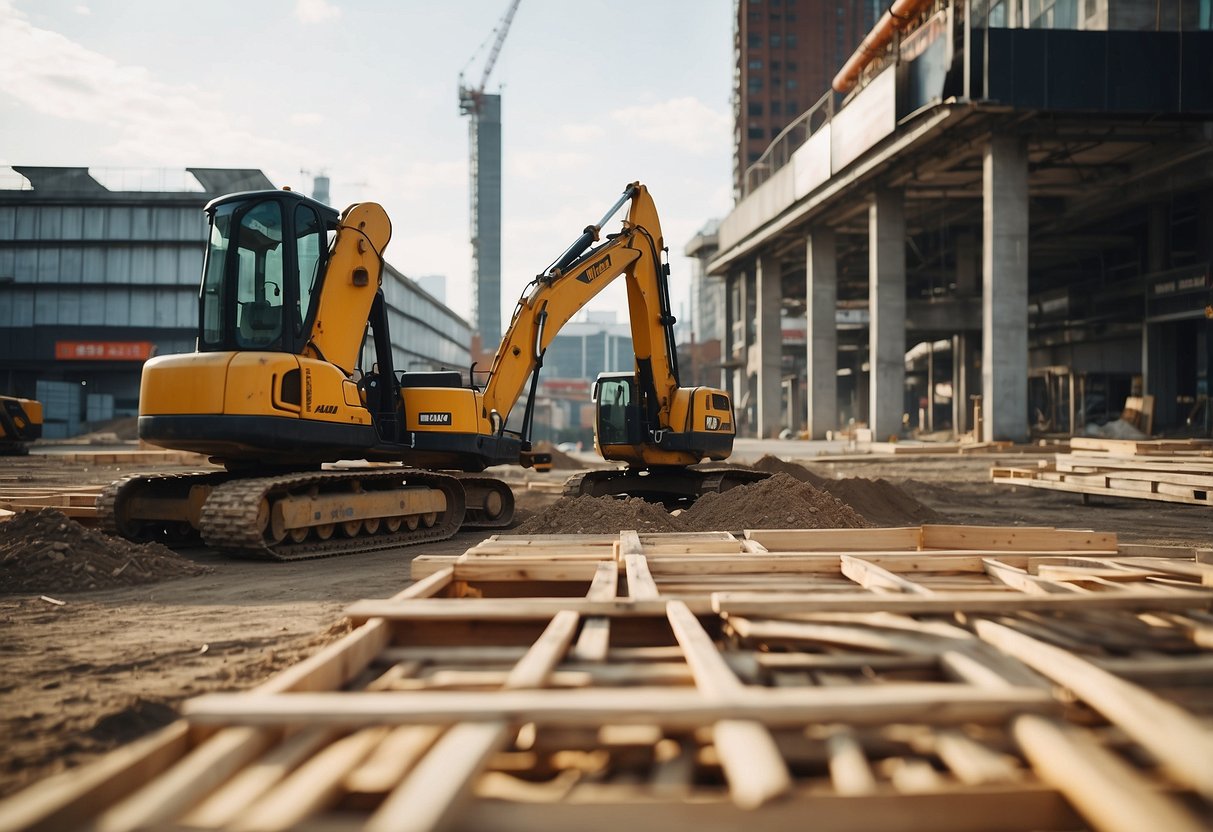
930	678
1150	484
1143	447
78	502
132	457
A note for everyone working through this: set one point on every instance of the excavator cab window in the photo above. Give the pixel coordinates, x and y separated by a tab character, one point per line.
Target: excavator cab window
311	249
617	411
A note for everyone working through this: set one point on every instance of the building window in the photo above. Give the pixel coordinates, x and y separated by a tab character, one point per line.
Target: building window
774	65
791	66
791	106
775	131
754	133
791	83
754	84
776	108
755	108
791	42
755	64
754	41
753	156
776	40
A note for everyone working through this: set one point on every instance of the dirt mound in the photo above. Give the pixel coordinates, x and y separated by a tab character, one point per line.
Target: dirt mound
775	465
48	552
560	460
598	515
881	502
778	502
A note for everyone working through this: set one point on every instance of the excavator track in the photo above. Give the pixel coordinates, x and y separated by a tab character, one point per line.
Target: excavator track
122	506
490	502
671	486
235	519
276	517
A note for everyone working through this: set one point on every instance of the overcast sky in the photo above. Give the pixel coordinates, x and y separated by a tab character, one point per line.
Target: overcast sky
595	94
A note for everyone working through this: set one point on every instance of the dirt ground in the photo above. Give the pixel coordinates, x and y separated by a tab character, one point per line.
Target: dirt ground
102	667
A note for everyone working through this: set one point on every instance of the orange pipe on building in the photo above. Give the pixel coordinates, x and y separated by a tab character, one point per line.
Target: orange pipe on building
899	15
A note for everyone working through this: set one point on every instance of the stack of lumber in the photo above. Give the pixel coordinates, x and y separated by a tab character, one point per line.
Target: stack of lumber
79	502
1174	471
932	678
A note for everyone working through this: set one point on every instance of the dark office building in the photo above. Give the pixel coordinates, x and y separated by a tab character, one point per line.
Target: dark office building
786	53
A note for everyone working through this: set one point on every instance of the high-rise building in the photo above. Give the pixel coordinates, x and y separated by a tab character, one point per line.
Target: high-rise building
787	52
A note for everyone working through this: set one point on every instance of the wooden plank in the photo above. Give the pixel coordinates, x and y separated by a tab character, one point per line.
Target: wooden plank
870	576
314	786
436	790
508	609
752	763
594	640
231	800
1176	738
930	703
71	799
750	603
1015	538
533	668
836	540
188	781
957	810
641	586
1103	788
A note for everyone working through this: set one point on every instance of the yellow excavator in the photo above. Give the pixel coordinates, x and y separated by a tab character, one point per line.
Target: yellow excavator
275	390
20	424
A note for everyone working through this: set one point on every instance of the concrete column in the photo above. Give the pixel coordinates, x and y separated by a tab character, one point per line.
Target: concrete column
960	383
1004	302
821	292
887	307
769	345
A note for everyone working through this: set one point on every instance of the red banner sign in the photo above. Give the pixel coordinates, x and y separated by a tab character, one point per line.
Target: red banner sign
103	350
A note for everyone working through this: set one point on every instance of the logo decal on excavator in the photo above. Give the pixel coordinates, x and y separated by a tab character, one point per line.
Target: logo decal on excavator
434	418
595	270
327	408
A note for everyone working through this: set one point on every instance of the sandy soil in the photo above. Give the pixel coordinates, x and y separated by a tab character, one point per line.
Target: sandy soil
107	666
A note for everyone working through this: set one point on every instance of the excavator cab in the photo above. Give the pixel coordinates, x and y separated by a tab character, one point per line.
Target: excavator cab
266	253
617	411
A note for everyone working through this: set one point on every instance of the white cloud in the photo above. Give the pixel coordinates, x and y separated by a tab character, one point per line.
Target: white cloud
306	119
316	11
684	123
581	133
82	10
154	123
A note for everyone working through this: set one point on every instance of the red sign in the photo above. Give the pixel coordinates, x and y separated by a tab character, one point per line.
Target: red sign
103	350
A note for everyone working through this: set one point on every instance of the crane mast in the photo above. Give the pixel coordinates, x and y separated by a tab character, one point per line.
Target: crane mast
484	156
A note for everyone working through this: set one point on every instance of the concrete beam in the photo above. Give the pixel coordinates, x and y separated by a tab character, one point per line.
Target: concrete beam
887	304
1004	267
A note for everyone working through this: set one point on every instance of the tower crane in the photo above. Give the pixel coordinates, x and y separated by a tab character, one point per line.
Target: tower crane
484	141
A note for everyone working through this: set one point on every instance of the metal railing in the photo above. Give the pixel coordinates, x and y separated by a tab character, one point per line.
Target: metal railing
779	151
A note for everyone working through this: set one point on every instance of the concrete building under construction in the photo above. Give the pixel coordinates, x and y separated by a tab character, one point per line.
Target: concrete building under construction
1003	210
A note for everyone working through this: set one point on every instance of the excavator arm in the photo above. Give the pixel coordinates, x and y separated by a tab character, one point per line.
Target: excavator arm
575	278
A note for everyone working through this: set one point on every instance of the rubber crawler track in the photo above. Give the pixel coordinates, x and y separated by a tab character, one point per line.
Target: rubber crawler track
474	487
229	516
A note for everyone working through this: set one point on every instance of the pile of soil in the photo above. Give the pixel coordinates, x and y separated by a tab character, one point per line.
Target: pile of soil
775	465
778	502
598	515
881	502
48	552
